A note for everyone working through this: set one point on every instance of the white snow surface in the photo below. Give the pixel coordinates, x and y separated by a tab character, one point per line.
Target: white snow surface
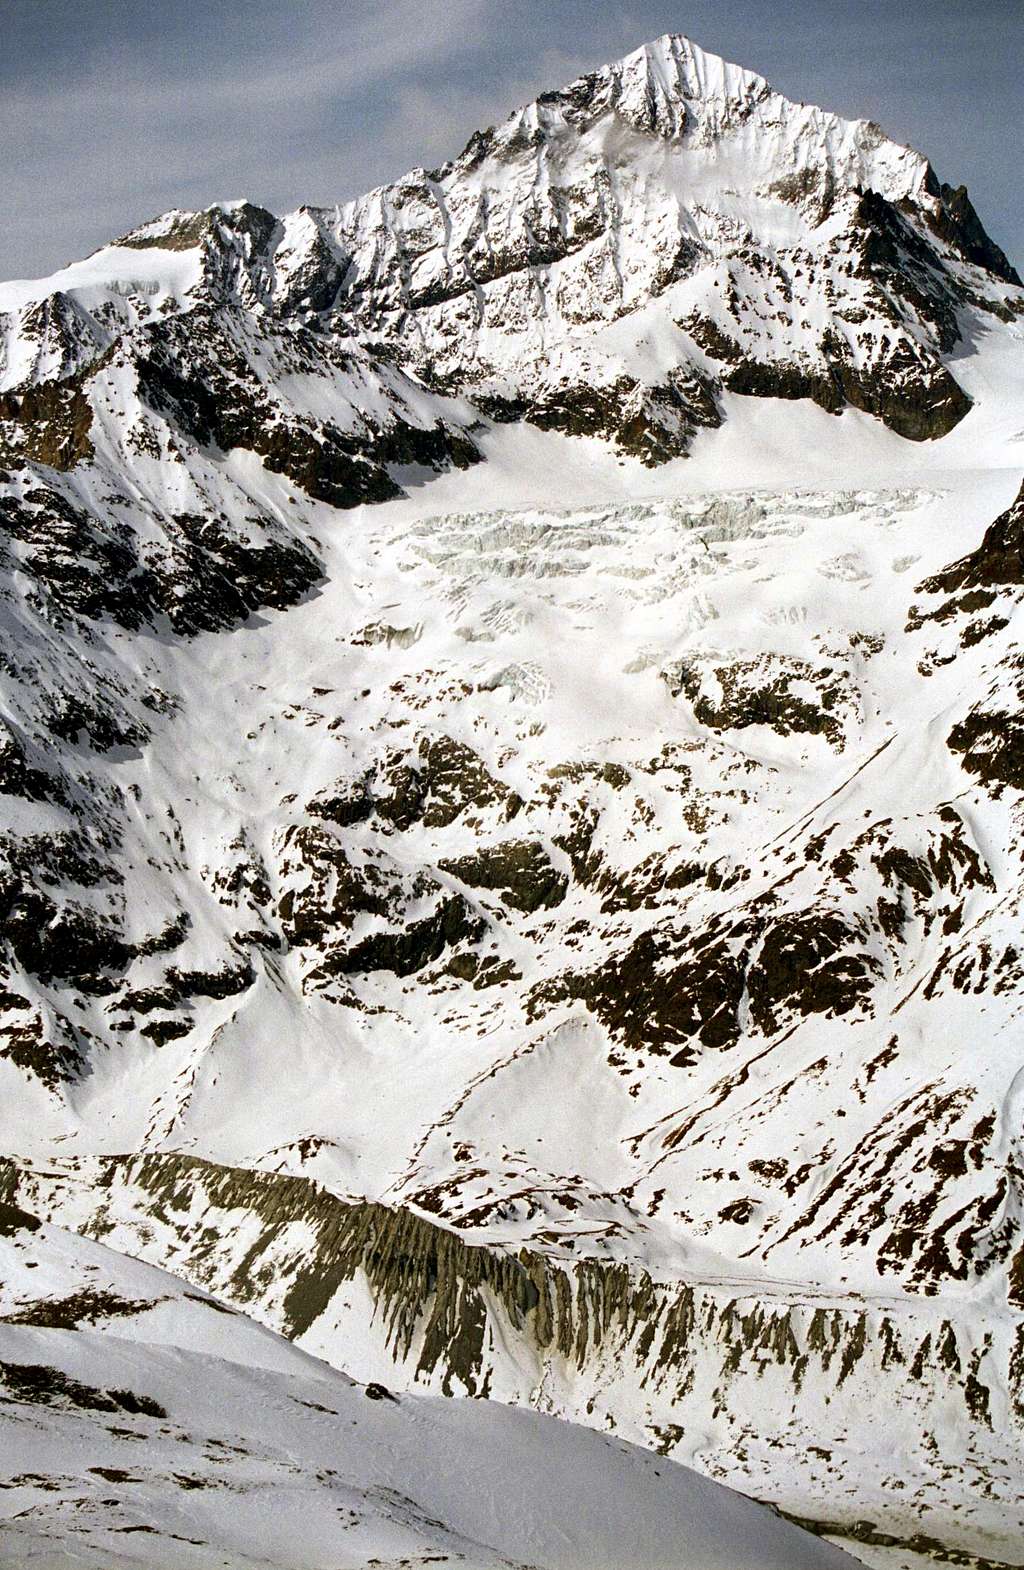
162	1431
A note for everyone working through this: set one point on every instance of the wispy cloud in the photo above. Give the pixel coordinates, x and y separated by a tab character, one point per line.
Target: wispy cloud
87	157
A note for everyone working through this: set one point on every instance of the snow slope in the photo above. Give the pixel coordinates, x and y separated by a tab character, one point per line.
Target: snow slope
144	1425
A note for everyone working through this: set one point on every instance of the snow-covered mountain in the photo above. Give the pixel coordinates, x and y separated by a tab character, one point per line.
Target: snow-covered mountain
511	778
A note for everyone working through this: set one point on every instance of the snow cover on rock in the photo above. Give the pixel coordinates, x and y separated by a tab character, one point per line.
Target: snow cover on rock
142	1424
511	770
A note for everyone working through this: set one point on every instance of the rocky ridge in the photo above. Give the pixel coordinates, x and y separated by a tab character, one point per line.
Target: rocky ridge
134	1417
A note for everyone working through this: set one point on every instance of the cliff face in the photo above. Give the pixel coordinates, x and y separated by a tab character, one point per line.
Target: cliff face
786	1373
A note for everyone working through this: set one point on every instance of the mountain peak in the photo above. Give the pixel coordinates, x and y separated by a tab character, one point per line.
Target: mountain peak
672	90
693	72
655	87
617	872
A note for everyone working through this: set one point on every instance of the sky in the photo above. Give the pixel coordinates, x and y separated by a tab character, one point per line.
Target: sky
116	110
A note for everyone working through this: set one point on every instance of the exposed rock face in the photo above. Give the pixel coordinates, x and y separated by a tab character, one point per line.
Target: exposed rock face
48	422
981	592
766	691
625	893
583	1332
519	871
200	369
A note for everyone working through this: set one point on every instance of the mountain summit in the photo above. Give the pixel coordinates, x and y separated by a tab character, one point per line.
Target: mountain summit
754	245
512	770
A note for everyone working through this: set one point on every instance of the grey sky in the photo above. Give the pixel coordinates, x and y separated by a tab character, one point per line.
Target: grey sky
114	110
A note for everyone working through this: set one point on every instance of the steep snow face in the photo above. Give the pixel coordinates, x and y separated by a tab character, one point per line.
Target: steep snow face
405	788
670	146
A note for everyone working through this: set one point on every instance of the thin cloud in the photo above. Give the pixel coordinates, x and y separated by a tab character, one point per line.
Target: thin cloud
324	59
